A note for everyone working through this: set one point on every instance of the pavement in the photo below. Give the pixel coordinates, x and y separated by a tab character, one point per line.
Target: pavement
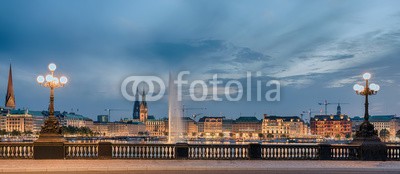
197	166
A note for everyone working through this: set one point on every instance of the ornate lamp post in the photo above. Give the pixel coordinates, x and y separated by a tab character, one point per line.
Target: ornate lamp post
51	131
366	128
370	146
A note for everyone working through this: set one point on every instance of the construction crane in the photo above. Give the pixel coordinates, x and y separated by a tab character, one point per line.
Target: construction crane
326	103
184	109
109	112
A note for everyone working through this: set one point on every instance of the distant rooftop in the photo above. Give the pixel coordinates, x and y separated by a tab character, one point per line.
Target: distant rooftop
247	119
285	118
330	117
376	118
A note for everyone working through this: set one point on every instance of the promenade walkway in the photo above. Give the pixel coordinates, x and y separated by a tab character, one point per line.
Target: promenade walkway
196	167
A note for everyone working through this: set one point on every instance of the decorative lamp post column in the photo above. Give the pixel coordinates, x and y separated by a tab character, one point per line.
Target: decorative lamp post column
51	131
366	129
370	145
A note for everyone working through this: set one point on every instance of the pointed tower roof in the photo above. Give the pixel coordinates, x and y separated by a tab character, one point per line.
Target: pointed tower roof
144	98
10	98
137	95
136	105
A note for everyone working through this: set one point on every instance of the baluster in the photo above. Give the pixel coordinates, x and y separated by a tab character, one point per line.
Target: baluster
207	152
124	151
139	151
2	151
116	151
135	152
159	151
30	151
173	151
12	150
129	151
213	152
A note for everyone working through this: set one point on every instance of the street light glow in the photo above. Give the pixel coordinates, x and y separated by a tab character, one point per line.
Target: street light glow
55	80
63	80
49	78
366	76
52	67
356	87
374	87
40	79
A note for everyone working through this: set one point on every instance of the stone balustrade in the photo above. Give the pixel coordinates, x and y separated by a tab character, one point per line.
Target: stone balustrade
107	150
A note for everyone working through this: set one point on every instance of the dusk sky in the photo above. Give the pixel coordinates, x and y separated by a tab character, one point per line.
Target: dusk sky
317	49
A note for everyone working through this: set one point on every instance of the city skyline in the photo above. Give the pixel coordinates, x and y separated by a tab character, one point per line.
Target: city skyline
316	58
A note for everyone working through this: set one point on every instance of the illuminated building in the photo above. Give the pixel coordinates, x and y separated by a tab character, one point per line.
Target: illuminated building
156	127
331	126
19	120
189	126
247	127
118	128
210	124
283	126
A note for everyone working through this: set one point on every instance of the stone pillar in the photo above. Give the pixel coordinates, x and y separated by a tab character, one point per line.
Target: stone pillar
371	149
255	151
105	150
182	151
50	146
325	152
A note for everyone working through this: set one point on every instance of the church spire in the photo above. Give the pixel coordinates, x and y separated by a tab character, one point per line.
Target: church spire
136	105
144	98
10	98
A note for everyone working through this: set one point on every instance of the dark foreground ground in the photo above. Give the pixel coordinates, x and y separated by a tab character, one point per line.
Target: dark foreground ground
196	166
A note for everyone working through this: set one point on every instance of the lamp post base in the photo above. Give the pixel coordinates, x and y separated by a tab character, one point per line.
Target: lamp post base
371	146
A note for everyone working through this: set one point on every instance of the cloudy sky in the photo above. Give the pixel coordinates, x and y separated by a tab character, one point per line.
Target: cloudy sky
316	49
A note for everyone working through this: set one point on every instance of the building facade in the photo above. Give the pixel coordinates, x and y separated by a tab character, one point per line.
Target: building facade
331	126
283	127
189	126
156	127
112	129
19	120
210	125
247	127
